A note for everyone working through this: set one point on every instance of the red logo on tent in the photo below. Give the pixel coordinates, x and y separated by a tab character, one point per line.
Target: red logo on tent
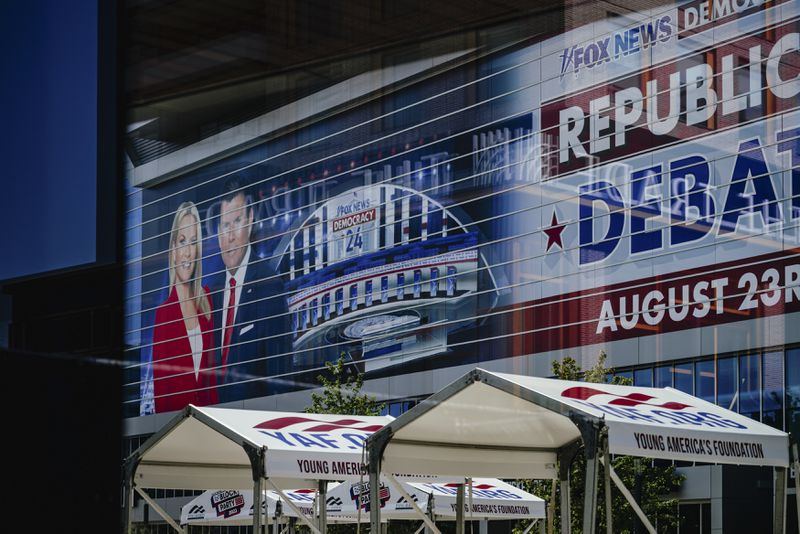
323	426
474	486
632	399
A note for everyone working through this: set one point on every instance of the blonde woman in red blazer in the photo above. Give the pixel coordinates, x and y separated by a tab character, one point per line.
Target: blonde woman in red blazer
183	335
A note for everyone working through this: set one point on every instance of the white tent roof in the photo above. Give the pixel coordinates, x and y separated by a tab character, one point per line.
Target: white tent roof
491	499
511	426
209	448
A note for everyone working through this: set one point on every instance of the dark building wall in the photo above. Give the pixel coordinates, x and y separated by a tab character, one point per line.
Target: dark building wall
749	507
61	441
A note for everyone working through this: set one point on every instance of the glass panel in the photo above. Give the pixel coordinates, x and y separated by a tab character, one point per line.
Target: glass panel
750	386
793	392
705	380
726	383
682	377
663	376
772	407
643	377
705	517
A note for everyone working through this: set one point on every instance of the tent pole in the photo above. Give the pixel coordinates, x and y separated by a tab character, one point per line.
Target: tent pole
565	504
128	474
607	484
469	505
160	511
429	512
322	505
127	512
428	520
460	509
551	507
779	523
565	458
256	456
268	519
627	494
257	505
374	494
796	465
590	491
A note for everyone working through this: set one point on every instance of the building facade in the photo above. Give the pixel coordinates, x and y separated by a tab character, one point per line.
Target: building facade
553	182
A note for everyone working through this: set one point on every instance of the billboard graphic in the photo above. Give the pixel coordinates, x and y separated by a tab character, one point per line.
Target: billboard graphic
372	265
627	179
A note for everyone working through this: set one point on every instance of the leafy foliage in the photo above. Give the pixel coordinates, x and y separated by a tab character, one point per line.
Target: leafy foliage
341	393
652	481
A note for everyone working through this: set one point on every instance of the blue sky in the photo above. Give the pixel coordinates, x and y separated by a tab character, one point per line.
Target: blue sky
48	98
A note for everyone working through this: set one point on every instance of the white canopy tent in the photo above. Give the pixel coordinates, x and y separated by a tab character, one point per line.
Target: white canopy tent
492	499
205	448
235	507
492	424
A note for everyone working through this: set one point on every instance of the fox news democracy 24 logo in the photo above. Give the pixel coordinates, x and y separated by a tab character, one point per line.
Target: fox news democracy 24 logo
612	47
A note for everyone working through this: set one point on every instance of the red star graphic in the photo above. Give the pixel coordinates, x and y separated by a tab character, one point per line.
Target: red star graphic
554	233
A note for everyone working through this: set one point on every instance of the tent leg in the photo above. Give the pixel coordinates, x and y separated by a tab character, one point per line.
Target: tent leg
565	505
374	495
160	511
590	491
268	518
431	517
779	523
460	510
127	510
322	505
627	494
607	486
796	465
257	505
551	508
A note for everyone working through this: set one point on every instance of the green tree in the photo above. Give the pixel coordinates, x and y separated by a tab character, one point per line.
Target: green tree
341	392
656	480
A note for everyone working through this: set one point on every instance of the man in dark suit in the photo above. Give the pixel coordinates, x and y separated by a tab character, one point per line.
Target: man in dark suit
241	302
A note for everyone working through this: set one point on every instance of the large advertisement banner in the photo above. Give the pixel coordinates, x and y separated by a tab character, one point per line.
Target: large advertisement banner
629	178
